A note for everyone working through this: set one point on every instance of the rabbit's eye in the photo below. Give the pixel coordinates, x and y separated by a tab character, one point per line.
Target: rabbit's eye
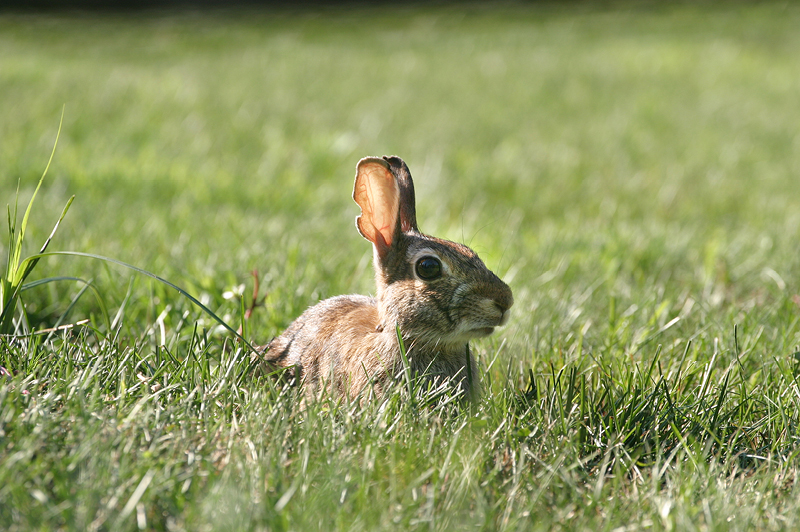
429	268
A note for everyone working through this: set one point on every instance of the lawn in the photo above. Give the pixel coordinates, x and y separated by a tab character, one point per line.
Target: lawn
630	169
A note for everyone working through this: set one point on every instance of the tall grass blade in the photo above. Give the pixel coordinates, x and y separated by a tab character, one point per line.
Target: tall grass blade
406	365
17	271
21	236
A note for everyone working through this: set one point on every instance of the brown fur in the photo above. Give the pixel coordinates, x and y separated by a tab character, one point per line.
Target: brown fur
348	344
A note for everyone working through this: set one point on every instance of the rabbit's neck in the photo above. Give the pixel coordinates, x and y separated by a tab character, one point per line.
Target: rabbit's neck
444	363
425	351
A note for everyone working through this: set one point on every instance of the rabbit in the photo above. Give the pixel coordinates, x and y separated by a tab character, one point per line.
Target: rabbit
439	293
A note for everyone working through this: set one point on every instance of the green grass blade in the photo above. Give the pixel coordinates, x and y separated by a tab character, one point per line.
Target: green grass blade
55	227
30	263
17	250
12	284
39	282
406	365
17	271
12	230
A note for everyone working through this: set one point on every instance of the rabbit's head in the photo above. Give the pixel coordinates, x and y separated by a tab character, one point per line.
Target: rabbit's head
437	291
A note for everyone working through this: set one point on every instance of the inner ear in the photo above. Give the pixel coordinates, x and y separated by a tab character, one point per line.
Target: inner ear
377	193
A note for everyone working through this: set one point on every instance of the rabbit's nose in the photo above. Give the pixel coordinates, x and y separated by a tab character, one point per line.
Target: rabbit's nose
503	305
504	300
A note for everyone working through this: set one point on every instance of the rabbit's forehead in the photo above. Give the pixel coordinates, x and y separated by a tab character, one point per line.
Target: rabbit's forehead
445	250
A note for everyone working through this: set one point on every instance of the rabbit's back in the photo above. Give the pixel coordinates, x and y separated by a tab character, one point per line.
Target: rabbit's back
335	342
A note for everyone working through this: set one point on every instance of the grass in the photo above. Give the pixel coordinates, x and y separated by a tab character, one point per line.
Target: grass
17	268
630	170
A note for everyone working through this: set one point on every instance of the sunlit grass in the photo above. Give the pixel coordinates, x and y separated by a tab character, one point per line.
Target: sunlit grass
630	171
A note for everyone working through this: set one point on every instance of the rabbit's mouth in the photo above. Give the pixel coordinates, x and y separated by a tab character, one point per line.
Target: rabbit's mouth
480	332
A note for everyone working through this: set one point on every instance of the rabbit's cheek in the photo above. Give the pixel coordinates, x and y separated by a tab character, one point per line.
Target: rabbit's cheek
460	293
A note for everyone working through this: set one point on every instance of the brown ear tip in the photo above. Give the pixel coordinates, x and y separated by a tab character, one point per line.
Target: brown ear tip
377	160
398	167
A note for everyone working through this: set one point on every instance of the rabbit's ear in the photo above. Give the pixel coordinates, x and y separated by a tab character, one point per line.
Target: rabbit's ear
408	210
377	193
